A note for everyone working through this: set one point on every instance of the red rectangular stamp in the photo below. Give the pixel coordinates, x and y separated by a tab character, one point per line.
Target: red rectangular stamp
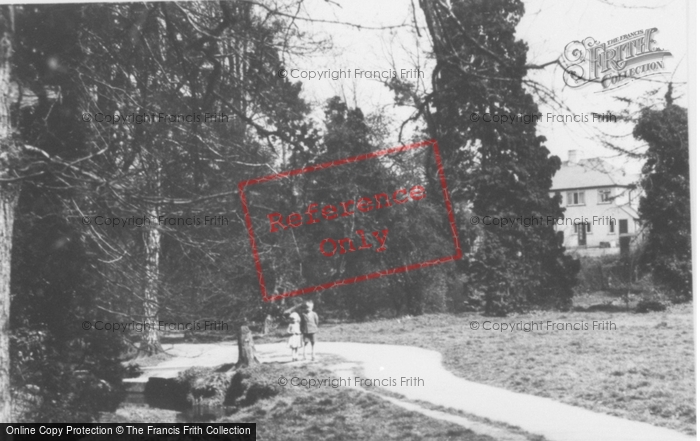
349	220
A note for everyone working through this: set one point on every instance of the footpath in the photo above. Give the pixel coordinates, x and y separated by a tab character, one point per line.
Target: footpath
535	415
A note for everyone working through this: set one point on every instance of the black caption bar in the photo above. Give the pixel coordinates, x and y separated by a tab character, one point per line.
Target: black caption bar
129	431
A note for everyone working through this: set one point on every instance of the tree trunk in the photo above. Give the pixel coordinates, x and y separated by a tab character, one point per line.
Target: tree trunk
150	343
246	348
8	203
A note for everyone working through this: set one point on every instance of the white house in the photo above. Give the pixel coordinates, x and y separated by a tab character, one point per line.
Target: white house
600	203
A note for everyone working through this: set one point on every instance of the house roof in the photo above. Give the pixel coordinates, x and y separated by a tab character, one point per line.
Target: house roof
588	173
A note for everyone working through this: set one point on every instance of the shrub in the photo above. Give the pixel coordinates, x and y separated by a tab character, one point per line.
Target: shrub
252	384
65	381
59	371
209	389
612	273
195	386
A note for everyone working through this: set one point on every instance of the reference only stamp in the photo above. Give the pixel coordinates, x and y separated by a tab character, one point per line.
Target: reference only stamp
349	220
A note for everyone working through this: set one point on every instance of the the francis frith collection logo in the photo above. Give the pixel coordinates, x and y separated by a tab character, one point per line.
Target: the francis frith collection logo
613	63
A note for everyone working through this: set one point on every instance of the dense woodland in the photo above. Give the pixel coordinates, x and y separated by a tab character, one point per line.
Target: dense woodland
59	63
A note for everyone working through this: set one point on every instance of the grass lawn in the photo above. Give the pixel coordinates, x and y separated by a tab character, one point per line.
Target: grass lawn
643	370
319	414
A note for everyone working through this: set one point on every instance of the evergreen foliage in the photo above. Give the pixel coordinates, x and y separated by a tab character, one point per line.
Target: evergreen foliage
665	206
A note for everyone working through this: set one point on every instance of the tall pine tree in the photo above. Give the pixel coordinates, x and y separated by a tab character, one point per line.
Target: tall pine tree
498	170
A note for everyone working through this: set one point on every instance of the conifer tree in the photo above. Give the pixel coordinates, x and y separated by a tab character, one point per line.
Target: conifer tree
498	170
665	207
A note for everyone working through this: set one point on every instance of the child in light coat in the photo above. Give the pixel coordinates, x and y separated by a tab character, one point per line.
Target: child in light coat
294	329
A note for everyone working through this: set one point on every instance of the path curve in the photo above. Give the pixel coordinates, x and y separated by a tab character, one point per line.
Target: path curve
541	416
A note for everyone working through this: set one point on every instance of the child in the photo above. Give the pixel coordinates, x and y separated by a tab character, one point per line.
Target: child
294	329
309	327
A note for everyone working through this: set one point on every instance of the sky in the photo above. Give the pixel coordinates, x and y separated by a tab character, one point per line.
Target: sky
547	27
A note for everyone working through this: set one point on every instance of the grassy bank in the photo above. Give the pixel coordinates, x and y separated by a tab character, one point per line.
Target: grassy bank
317	414
642	370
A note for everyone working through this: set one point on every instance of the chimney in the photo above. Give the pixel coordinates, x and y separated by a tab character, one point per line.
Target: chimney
573	156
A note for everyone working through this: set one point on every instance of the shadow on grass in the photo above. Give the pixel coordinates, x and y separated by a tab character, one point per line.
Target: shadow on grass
605	308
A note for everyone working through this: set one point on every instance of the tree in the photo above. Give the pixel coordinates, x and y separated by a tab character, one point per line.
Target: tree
9	195
414	232
501	170
665	207
198	56
7	207
246	348
55	280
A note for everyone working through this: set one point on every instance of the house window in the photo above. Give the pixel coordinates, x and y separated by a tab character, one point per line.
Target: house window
575	198
577	227
623	226
604	196
612	228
